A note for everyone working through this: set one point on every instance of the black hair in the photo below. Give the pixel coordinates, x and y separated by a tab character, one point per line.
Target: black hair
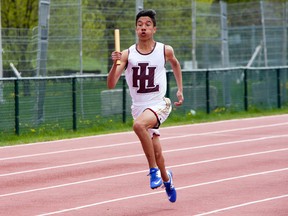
150	13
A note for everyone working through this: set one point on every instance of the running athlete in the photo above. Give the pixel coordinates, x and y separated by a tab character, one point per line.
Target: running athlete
145	73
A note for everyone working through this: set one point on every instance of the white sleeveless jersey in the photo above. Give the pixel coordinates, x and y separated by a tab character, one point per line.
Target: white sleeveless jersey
146	75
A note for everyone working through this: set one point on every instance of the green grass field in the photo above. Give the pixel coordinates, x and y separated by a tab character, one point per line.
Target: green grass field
107	127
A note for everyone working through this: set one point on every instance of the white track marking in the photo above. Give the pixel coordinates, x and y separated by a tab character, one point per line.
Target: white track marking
142	171
134	142
140	155
244	204
130	132
158	192
68	150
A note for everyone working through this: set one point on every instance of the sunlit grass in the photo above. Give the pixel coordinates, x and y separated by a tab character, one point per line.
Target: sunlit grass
55	132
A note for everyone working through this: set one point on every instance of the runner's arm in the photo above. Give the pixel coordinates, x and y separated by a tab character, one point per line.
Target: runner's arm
116	70
169	52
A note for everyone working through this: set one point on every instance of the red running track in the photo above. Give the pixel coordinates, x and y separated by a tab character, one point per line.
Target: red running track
235	167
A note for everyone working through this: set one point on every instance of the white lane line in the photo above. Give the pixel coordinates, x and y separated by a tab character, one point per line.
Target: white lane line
130	143
163	128
142	171
243	204
68	150
140	155
158	192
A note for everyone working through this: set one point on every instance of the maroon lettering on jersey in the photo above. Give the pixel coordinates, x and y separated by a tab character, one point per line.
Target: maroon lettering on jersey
142	74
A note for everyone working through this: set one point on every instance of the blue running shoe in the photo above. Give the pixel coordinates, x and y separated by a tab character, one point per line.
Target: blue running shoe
170	189
155	178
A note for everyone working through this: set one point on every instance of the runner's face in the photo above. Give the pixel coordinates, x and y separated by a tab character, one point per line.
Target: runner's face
145	28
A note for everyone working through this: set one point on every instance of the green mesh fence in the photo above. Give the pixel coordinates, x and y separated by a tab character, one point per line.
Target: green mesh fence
74	102
7	107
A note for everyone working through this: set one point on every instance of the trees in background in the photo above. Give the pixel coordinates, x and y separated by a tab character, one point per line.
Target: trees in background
100	18
19	13
18	17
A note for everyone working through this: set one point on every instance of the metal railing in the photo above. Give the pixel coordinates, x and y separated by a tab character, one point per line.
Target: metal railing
74	102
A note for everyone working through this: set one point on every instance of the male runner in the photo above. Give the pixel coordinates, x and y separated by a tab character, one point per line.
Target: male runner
144	65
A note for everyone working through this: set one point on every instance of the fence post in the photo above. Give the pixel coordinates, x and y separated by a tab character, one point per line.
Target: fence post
278	89
264	33
124	100
1	65
245	90
207	92
74	106
16	100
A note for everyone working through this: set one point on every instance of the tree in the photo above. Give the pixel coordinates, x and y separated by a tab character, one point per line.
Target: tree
19	17
19	13
114	12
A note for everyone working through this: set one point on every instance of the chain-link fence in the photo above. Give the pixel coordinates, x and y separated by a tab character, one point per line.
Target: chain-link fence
20	48
77	102
78	41
203	35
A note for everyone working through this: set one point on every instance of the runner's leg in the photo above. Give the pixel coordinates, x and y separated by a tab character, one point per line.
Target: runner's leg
159	157
142	123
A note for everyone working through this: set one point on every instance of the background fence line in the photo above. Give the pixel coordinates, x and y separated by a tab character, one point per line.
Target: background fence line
205	90
203	35
214	42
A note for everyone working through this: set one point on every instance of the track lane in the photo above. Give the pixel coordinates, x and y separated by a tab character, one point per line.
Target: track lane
193	161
